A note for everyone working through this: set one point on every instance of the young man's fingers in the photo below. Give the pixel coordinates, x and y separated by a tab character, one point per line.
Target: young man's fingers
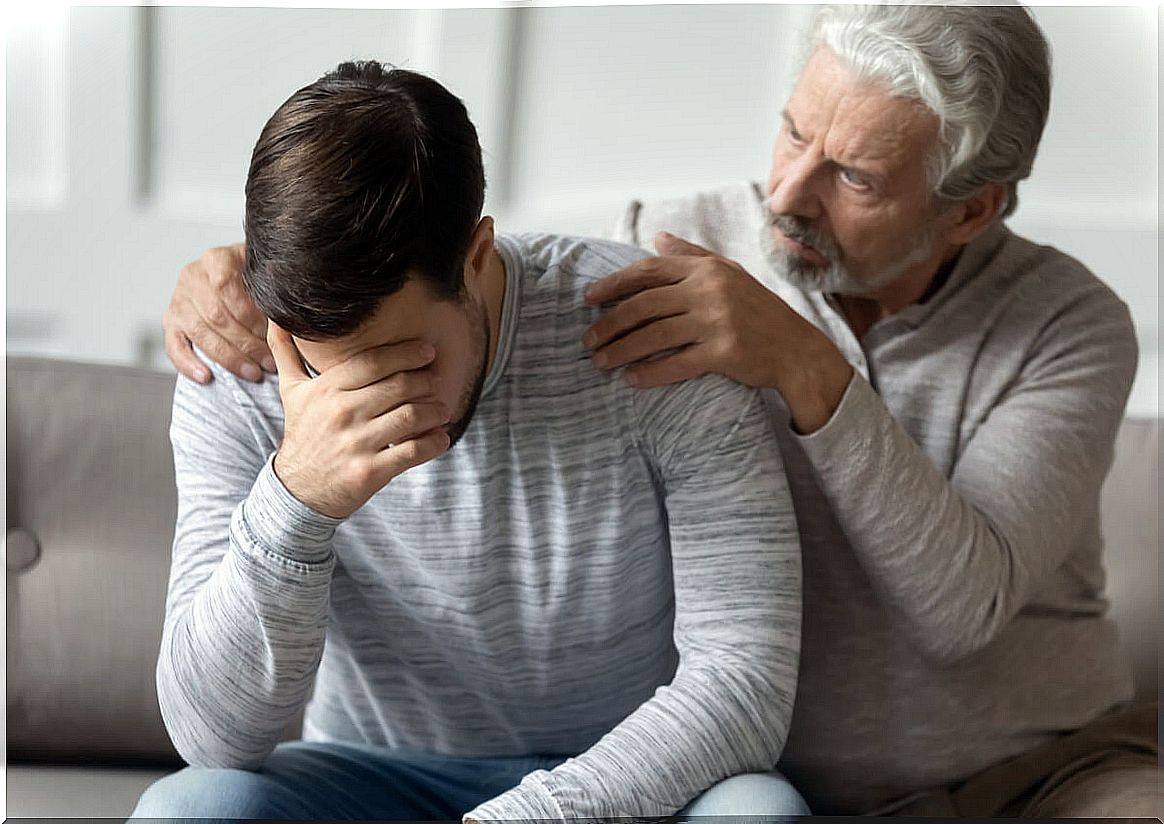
405	422
372	365
658	303
653	339
682	366
647	273
181	353
402	387
400	457
286	354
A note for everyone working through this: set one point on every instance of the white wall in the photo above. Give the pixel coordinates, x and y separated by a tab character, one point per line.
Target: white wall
129	131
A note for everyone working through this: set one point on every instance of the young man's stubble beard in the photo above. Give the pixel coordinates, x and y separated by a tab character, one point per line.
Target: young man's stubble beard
471	394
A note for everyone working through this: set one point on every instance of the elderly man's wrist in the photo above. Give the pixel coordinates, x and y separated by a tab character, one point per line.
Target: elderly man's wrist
817	382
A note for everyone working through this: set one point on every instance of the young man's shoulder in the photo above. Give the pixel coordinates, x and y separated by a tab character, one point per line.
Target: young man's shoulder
572	259
229	401
558	268
555	271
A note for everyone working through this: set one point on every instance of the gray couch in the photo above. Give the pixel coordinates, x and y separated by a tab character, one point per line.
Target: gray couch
91	505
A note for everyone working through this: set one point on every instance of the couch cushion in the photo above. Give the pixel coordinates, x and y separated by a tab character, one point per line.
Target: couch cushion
90	484
87	793
1131	528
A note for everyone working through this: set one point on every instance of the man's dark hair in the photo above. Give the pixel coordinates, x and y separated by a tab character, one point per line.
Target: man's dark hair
366	177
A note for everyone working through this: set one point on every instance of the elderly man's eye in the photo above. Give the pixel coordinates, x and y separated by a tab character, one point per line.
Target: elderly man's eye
855	179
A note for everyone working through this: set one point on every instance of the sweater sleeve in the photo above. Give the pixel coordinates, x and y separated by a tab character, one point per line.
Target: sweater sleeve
248	594
736	574
959	556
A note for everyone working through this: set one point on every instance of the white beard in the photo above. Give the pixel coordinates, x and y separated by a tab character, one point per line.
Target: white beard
832	277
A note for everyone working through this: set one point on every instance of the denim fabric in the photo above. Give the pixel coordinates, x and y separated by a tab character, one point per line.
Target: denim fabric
348	781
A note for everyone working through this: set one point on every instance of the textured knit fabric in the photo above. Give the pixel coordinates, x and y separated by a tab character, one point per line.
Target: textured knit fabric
953	601
591	571
1108	769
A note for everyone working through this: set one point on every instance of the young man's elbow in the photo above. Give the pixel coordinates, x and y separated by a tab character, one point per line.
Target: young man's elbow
194	738
200	746
756	695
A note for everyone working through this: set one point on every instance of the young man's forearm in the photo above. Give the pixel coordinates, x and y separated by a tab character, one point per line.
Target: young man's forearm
240	649
249	586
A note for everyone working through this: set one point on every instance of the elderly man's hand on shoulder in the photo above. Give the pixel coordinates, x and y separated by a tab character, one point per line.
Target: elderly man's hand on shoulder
691	312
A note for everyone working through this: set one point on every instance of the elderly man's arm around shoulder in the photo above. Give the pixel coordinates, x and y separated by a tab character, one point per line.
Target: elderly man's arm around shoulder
959	556
736	571
958	551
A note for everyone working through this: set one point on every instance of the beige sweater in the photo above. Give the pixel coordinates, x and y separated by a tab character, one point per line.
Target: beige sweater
953	603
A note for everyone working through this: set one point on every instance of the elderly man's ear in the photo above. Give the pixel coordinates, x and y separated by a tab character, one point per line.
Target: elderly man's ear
969	218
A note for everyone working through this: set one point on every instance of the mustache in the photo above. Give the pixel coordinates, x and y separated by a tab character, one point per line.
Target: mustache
802	231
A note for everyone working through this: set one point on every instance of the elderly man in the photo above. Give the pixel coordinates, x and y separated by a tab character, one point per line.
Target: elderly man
948	394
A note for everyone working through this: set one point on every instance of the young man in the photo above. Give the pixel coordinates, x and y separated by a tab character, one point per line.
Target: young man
590	607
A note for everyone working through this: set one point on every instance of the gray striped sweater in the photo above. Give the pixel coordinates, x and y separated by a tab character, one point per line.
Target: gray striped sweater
608	574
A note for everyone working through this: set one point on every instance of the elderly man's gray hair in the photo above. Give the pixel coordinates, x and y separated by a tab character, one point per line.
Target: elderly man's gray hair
985	71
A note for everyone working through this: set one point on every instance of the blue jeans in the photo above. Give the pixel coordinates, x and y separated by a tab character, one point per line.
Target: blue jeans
315	780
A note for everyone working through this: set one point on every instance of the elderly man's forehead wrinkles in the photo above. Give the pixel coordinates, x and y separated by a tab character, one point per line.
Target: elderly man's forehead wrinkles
860	124
873	129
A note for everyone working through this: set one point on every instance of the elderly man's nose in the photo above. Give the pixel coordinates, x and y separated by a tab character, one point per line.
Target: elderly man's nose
793	190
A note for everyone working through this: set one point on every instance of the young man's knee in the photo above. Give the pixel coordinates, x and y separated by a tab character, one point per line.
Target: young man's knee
198	793
751	795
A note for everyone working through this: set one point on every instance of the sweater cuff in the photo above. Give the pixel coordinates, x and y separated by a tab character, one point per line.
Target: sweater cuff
529	801
282	524
856	411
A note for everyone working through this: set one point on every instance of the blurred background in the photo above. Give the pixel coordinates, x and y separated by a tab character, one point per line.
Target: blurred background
129	131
